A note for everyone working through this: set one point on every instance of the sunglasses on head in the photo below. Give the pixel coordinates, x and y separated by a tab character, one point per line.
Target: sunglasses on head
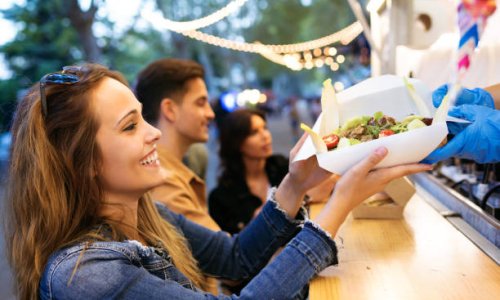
65	77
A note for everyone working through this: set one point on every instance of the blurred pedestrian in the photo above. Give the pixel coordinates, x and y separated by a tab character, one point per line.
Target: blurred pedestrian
175	100
196	159
248	171
294	118
315	109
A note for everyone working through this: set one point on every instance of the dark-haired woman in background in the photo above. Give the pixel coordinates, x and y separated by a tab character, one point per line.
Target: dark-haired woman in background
249	170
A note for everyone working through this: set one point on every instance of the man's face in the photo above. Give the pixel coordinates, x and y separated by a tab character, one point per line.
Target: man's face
193	113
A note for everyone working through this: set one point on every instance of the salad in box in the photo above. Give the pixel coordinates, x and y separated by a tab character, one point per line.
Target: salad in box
385	111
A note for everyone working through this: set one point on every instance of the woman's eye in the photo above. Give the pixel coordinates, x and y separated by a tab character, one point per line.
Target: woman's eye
130	127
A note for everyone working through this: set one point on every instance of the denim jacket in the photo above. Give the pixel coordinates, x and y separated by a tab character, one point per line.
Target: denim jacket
129	270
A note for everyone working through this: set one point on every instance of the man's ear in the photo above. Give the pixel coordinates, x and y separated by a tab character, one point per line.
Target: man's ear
169	109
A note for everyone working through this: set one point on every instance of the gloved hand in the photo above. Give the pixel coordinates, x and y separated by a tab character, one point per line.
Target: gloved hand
479	140
476	96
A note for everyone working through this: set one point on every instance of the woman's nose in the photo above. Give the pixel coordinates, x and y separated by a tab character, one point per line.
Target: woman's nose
266	134
153	134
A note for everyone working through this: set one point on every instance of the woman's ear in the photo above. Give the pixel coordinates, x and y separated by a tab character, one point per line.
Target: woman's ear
168	108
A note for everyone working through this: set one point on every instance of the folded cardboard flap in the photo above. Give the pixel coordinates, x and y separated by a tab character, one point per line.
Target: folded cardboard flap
399	191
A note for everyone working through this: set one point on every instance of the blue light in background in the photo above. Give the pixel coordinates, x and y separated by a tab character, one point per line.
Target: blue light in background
228	101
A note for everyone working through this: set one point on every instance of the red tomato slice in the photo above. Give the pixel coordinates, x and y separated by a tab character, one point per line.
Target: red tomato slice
331	141
385	132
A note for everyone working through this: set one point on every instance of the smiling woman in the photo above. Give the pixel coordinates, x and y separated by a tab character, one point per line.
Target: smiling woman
97	145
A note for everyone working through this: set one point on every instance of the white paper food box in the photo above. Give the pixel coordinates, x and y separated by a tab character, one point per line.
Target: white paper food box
388	94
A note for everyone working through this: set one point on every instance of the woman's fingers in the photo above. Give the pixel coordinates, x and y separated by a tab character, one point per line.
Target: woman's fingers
402	170
370	161
297	146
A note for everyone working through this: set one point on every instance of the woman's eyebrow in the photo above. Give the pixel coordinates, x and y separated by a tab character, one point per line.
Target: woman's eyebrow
132	112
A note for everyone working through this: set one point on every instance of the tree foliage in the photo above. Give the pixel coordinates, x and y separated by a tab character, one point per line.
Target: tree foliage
59	32
56	33
45	40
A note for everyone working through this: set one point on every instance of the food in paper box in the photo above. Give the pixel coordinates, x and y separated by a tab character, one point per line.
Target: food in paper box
393	96
368	128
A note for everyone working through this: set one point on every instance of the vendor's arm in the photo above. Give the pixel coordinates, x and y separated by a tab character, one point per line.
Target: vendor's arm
489	96
479	140
494	91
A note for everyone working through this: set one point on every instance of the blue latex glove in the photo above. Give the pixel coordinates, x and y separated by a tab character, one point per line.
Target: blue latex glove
465	96
479	140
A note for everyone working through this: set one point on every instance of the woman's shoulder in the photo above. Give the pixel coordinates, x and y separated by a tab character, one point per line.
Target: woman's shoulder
89	268
70	256
87	258
99	249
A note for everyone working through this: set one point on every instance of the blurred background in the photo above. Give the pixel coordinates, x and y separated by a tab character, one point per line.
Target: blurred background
41	36
271	54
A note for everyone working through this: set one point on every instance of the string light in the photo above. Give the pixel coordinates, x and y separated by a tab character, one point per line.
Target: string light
288	55
340	58
157	19
295	62
345	36
319	63
286	60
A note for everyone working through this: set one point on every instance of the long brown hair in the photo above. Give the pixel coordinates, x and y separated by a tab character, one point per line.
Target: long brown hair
53	195
236	128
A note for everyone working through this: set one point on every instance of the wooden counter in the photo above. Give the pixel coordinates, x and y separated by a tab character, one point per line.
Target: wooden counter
419	257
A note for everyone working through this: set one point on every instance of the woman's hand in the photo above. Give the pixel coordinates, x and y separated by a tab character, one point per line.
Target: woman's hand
306	174
323	191
359	183
302	176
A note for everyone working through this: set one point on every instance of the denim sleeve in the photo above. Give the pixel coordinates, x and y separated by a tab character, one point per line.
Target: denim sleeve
105	273
240	256
306	255
108	274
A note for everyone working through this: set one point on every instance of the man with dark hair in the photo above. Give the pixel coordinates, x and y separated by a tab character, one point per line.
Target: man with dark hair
175	100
